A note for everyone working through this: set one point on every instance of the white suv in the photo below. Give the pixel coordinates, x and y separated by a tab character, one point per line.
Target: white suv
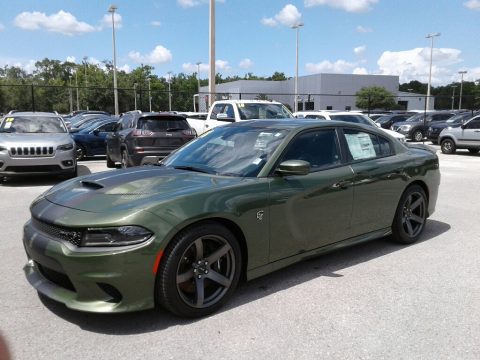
467	136
348	116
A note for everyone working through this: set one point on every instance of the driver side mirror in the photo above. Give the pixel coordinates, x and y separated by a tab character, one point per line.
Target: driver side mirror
225	117
293	167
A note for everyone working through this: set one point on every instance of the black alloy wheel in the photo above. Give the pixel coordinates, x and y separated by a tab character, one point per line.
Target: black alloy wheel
411	215
417	135
448	146
199	271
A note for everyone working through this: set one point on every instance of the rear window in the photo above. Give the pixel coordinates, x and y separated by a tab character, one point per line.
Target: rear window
159	124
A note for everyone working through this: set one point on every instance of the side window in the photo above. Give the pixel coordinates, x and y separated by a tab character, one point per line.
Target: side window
474	124
106	127
125	121
217	109
364	145
315	117
320	148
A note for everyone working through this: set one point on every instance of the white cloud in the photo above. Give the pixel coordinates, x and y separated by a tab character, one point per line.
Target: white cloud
193	3
61	22
472	4
191	68
414	64
156	23
159	55
338	67
355	6
125	68
360	50
245	64
362	29
360	71
222	65
107	20
288	16
71	59
2	27
269	22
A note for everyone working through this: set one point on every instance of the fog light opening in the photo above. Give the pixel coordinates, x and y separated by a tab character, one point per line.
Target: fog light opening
111	291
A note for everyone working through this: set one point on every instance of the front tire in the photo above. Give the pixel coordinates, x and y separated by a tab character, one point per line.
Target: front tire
473	151
448	146
110	162
124	160
199	271
417	135
80	152
411	215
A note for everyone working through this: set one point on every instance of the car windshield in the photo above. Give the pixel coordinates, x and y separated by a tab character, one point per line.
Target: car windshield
383	119
33	124
249	111
230	151
416	117
160	124
357	119
459	118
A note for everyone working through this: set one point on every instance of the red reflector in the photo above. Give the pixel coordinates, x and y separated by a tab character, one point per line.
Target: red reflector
157	262
140	150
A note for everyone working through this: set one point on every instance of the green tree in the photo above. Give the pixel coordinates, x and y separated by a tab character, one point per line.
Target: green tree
375	97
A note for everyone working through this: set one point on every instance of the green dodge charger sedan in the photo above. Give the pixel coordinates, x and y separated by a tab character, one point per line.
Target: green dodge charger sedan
242	200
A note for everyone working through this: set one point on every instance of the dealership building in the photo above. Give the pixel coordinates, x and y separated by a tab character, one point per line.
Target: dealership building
316	92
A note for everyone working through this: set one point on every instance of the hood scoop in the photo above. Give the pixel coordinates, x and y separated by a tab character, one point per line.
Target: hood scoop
91	185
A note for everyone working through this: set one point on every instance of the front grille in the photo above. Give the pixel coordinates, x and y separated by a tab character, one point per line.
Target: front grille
56	277
73	236
32	151
34	168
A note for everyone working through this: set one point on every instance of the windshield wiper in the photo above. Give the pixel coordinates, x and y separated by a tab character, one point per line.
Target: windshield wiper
192	168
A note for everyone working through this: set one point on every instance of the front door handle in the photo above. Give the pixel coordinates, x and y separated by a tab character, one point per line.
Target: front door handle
343	185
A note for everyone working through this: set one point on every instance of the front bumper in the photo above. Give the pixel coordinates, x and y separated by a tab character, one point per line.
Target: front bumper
97	279
61	162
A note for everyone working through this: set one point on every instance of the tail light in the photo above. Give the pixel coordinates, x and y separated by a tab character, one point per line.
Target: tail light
190	132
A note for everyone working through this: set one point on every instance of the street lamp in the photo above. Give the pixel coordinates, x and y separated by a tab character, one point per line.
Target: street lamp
135	94
85	63
198	75
430	36
169	93
149	94
211	71
70	91
453	95
461	89
112	10
297	28
76	88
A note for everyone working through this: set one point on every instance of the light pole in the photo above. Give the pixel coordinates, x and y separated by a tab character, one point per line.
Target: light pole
169	92
453	95
112	10
70	91
76	88
198	85
135	94
211	71
430	36
461	89
85	58
297	28
149	94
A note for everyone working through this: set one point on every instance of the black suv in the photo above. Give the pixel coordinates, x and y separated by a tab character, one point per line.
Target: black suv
415	127
386	121
140	138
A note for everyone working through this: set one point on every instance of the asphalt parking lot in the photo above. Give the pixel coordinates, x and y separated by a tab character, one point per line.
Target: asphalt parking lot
377	300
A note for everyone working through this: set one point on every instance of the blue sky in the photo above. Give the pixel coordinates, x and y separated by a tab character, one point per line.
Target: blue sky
339	36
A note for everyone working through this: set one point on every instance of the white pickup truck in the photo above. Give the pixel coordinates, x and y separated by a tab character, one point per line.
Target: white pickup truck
228	111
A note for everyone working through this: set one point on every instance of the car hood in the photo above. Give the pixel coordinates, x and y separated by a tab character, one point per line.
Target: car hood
136	188
394	134
34	139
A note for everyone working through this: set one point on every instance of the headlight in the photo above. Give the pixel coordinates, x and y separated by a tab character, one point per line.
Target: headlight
65	147
115	236
405	127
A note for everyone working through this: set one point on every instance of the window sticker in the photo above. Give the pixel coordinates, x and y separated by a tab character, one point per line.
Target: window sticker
360	145
257	161
10	119
8	124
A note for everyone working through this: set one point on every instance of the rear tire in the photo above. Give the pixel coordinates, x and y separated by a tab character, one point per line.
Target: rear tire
124	160
448	146
199	270
411	215
80	152
110	162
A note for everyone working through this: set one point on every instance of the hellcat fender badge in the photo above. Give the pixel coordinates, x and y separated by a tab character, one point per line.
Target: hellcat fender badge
260	215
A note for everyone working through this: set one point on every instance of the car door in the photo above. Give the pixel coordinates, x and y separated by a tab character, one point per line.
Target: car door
114	139
470	135
221	114
313	210
378	182
98	143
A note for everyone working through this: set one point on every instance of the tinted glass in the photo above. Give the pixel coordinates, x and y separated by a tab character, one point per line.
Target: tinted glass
160	124
319	148
263	111
474	124
230	151
357	119
364	145
33	124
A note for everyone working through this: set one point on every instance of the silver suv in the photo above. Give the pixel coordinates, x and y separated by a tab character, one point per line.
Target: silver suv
35	143
467	136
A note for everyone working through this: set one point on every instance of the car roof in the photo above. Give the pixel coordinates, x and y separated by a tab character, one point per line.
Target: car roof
248	101
33	113
290	124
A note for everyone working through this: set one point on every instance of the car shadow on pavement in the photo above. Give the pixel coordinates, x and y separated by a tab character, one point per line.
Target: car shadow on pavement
324	265
44	180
